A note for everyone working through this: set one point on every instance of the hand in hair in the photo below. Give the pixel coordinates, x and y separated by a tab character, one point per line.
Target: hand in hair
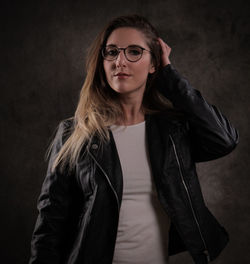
165	52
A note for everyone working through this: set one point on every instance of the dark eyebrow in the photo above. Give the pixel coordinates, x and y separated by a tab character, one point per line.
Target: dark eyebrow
111	45
132	45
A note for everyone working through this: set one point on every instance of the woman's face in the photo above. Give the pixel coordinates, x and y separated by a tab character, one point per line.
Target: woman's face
138	71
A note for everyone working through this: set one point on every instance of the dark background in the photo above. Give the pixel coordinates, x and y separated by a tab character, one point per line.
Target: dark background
43	45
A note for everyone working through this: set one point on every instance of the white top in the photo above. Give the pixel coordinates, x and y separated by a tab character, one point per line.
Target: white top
142	236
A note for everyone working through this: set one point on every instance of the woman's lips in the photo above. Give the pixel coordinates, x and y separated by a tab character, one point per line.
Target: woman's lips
122	76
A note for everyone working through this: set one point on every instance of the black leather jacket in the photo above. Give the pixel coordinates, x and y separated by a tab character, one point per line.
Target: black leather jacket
79	210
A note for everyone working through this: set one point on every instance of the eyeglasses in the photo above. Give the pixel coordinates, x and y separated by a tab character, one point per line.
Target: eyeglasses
132	53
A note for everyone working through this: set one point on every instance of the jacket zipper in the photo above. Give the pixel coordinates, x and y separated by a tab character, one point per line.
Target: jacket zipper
117	200
189	198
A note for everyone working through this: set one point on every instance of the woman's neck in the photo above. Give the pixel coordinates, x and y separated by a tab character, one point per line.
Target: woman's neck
132	114
131	104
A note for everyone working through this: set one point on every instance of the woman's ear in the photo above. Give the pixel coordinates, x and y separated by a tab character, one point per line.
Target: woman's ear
152	68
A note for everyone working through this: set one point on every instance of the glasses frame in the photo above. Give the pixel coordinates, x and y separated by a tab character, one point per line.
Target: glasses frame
124	51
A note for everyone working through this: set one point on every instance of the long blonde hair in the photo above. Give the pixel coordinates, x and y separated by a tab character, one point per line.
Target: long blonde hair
98	105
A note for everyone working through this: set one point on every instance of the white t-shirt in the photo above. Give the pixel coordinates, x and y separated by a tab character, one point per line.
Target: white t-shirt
142	236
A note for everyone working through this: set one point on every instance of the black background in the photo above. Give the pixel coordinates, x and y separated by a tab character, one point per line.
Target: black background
43	46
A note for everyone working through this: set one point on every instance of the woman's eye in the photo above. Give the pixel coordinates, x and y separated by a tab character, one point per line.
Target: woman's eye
112	52
134	51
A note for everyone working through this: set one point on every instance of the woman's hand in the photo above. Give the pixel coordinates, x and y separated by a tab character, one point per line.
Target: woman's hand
165	52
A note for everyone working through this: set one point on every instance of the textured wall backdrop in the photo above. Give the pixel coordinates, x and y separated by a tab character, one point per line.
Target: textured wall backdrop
43	45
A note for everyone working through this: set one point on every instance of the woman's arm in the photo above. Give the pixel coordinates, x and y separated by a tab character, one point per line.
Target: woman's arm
212	135
53	206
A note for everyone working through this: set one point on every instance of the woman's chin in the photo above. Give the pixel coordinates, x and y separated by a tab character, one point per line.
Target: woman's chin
122	90
128	89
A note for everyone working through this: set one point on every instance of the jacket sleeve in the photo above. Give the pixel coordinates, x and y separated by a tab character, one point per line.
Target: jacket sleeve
212	136
53	204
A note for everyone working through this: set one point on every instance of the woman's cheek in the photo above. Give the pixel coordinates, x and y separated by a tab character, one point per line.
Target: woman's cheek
110	82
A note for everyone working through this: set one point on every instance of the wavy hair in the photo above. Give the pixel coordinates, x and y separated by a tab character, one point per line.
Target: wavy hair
98	105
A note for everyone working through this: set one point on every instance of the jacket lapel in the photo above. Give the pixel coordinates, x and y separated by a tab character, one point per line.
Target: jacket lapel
106	156
157	137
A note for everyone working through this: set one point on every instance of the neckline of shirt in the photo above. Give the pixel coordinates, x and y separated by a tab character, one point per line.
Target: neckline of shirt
130	126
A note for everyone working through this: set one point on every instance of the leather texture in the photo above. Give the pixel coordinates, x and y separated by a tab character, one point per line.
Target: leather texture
79	209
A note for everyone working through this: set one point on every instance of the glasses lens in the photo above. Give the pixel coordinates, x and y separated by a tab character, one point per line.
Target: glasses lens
110	53
133	53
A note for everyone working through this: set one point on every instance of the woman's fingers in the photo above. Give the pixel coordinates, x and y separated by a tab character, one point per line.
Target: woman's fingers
165	47
165	52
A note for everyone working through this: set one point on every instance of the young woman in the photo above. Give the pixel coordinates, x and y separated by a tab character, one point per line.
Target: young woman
121	185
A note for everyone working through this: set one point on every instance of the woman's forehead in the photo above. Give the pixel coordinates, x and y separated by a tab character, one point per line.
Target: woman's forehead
126	36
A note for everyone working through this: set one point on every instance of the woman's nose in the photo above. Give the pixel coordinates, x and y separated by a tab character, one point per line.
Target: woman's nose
121	59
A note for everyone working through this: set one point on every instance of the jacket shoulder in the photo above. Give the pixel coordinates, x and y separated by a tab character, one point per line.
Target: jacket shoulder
171	118
67	123
60	134
65	128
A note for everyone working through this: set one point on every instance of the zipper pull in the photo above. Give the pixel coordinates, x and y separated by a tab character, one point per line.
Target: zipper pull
207	254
